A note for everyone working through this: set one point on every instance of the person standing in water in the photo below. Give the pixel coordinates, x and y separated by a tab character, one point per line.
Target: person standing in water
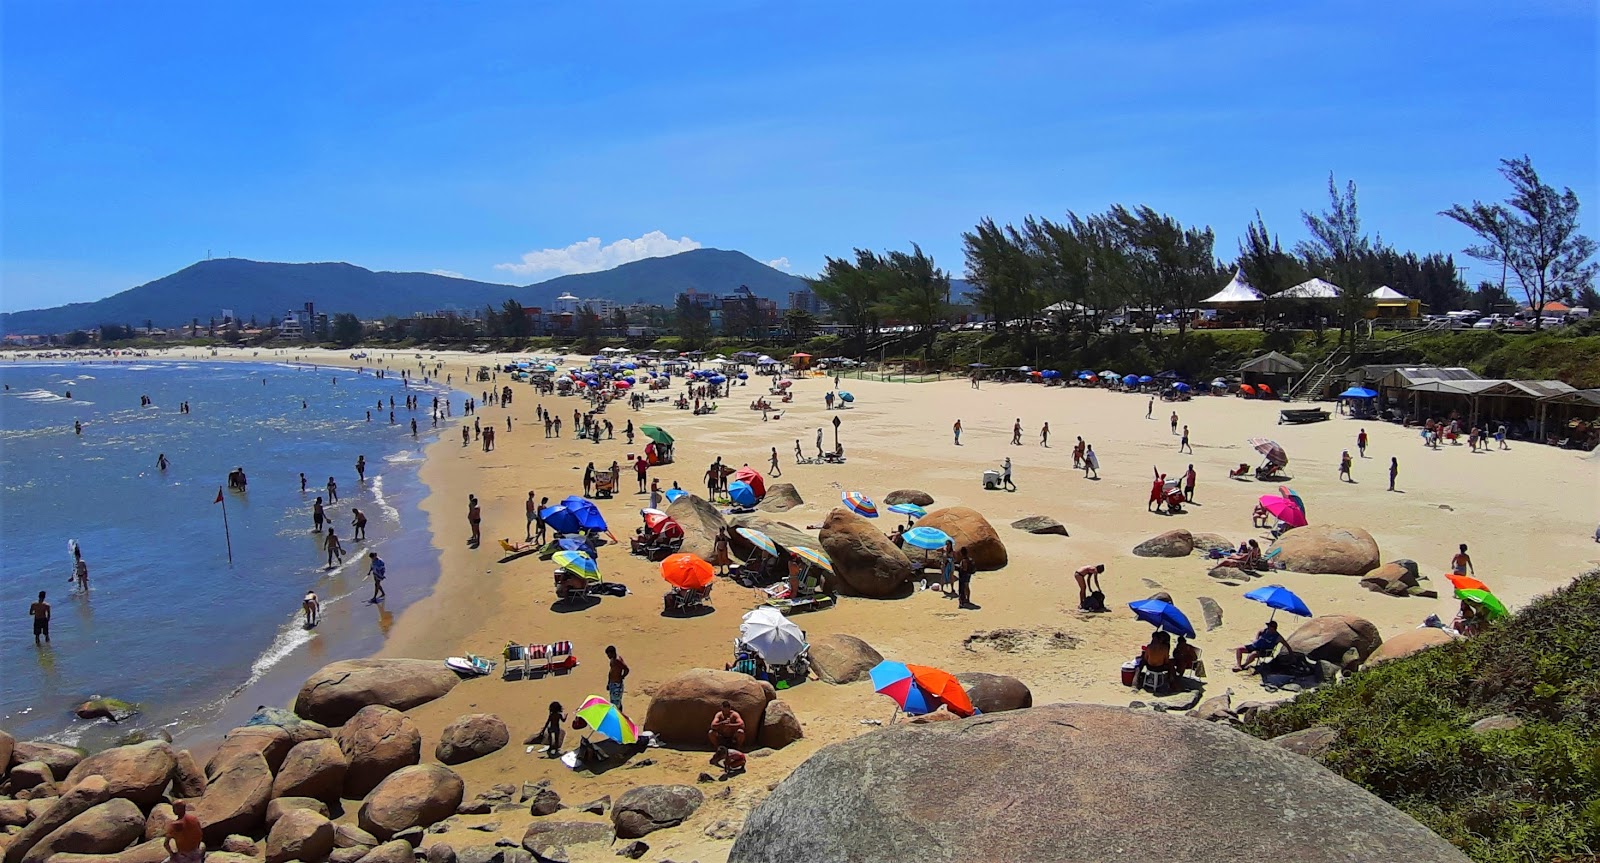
358	520
318	516
161	462
80	571
334	547
40	612
312	608
333	490
302	483
361	468
378	571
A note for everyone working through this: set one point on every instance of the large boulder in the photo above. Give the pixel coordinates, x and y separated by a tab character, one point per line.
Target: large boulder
1073	783
1330	638
281	806
14	813
865	562
29	775
1393	578
8	745
700	522
682	708
415	796
784	534
89	793
139	772
300	834
1407	643
377	741
1205	542
840	658
648	808
156	823
471	736
394	851
61	759
1173	543
104	829
150	851
236	798
1328	549
300	730
781	497
103	707
968	529
315	768
188	780
338	691
545	835
994	693
1040	524
908	495
267	741
779	727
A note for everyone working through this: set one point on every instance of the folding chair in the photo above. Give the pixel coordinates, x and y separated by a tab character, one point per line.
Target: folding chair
516	660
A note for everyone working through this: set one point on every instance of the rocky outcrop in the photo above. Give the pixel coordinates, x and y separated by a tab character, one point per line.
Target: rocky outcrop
396	851
1205	542
471	736
144	852
779	726
338	691
840	658
155	823
236	800
14	813
315	769
994	693
1054	784
1313	742
139	772
1497	722
646	809
60	759
700	522
103	829
188	780
969	530
1407	643
1342	639
8	746
1040	524
89	793
281	806
542	836
415	796
1212	612
268	741
377	740
1231	574
102	707
865	562
29	775
1328	549
908	495
781	497
682	708
300	834
1173	543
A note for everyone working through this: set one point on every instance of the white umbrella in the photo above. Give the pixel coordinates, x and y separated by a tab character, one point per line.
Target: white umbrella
772	636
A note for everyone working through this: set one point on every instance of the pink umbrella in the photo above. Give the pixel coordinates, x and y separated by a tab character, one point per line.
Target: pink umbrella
1284	510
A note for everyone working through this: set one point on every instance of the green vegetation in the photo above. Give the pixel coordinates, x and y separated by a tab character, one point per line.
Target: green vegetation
1510	796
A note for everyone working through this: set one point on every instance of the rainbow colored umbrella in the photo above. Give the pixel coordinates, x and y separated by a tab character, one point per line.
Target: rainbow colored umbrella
812	556
1484	599
605	718
908	509
859	504
920	689
758	539
578	563
687	571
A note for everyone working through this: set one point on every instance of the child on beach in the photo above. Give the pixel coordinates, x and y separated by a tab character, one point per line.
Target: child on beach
334	548
378	571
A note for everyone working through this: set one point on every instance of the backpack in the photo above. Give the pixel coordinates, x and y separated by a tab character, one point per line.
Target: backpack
1094	602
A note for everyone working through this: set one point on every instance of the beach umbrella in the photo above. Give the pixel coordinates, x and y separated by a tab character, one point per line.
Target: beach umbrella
1466	582
920	689
758	539
927	538
845	396
657	434
1108	374
687	571
675	493
741	493
1247	389
1264	389
605	718
1279	598
585	511
630	366
653	517
1486	600
579	564
1145	379
977	365
1162	615
560	519
859	504
1130	380
783	385
1181	387
1269	448
623	384
752	477
1293	495
1358	393
799	356
1220	383
908	509
1284	509
772	636
744	376
812	556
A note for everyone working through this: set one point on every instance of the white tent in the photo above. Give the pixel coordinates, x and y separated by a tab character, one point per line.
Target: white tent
1387	293
1311	289
1238	290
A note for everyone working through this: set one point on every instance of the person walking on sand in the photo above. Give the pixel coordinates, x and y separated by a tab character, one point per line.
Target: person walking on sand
1500	436
1091	462
1461	564
361	467
312	608
1044	436
1394	470
1344	467
947	568
772	464
475	519
1077	453
1174	422
40	612
184	840
358	520
799	455
1150	409
616	673
538	521
530	508
334	547
588	480
1005	475
957	429
318	516
1183	443
466	437
378	571
819	443
1016	432
1361	442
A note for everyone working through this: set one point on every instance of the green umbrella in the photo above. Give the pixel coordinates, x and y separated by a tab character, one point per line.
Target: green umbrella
657	434
1487	600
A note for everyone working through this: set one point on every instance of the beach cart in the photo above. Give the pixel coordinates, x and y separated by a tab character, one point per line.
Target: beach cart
605	483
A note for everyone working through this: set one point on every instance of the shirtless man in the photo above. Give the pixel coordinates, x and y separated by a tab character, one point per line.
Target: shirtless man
1016	432
475	519
183	842
615	675
727	728
40	612
1461	564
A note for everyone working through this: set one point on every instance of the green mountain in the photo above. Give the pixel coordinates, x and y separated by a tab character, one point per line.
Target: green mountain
265	290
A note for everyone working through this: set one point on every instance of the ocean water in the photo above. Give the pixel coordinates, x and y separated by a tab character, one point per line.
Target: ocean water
168	623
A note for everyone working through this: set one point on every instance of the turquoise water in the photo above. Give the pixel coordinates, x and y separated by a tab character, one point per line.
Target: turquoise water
167	621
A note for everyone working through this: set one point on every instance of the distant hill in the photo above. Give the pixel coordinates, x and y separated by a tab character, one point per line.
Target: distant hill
265	290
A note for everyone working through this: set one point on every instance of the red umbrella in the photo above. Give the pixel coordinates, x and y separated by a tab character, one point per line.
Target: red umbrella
1284	509
753	477
1265	390
1247	389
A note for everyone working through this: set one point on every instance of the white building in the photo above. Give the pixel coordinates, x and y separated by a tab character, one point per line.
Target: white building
569	304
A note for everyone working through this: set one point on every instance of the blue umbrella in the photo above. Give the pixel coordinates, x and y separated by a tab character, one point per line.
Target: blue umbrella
1181	387
1162	615
1130	380
928	538
576	543
587	514
908	509
1144	379
849	397
1279	598
630	366
741	493
675	493
1358	393
560	519
744	376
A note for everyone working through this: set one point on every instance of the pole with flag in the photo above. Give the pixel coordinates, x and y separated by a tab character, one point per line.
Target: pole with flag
225	535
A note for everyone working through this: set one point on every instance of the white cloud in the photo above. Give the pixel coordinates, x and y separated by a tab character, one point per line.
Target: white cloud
779	264
590	257
451	273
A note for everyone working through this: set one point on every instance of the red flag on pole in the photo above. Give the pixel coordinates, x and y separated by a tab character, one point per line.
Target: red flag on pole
219	496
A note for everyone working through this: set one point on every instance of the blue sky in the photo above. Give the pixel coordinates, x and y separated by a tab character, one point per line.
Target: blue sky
494	140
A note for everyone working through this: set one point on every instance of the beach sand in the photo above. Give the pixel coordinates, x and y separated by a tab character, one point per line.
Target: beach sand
1528	515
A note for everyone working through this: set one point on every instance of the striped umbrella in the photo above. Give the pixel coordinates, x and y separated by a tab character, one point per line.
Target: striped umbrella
908	509
758	539
578	563
605	718
859	504
812	556
928	538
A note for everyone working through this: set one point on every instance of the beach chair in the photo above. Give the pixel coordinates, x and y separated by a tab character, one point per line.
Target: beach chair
515	657
542	660
680	600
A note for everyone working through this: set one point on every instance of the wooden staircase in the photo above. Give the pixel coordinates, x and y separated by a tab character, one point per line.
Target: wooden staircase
1314	384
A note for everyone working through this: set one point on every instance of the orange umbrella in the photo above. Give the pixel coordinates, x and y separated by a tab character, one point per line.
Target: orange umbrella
687	571
943	686
1466	582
